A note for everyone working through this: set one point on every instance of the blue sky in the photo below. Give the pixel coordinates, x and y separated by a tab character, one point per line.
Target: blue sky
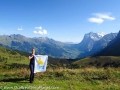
62	20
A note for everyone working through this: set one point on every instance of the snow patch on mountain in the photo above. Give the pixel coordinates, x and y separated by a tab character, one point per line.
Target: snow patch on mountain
101	34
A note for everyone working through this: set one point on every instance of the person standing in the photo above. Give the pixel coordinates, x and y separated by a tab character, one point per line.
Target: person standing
31	65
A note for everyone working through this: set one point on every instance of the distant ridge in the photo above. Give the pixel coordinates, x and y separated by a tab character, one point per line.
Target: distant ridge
91	44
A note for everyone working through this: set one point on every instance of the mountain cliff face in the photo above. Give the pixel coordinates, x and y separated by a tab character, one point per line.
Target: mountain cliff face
103	42
113	48
88	41
94	42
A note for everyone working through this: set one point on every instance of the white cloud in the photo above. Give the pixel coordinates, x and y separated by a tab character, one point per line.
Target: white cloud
96	20
20	28
99	18
40	31
105	16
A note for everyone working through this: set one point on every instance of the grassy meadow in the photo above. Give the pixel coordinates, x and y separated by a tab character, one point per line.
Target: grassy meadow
61	79
14	75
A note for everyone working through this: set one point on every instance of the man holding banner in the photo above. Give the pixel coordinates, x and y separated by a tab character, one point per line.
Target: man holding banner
38	63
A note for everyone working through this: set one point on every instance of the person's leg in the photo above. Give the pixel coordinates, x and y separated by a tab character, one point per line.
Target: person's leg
31	73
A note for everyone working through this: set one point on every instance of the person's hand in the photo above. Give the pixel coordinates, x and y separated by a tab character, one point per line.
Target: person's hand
30	57
33	54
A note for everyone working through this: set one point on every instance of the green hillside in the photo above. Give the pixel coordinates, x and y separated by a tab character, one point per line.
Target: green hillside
10	59
13	58
100	61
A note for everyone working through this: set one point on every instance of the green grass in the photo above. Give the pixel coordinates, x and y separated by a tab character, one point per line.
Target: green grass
62	79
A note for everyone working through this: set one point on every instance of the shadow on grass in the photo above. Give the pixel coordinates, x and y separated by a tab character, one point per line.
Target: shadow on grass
21	80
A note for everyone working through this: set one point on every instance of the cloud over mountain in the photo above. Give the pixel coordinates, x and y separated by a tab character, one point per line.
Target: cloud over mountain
40	31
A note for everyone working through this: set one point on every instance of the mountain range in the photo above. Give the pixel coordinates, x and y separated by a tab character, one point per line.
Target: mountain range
94	42
112	49
91	44
43	45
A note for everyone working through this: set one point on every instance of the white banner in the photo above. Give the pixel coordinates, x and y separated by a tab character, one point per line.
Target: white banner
40	63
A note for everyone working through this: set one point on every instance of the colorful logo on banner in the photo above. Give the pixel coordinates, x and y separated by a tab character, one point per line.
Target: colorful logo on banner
40	61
